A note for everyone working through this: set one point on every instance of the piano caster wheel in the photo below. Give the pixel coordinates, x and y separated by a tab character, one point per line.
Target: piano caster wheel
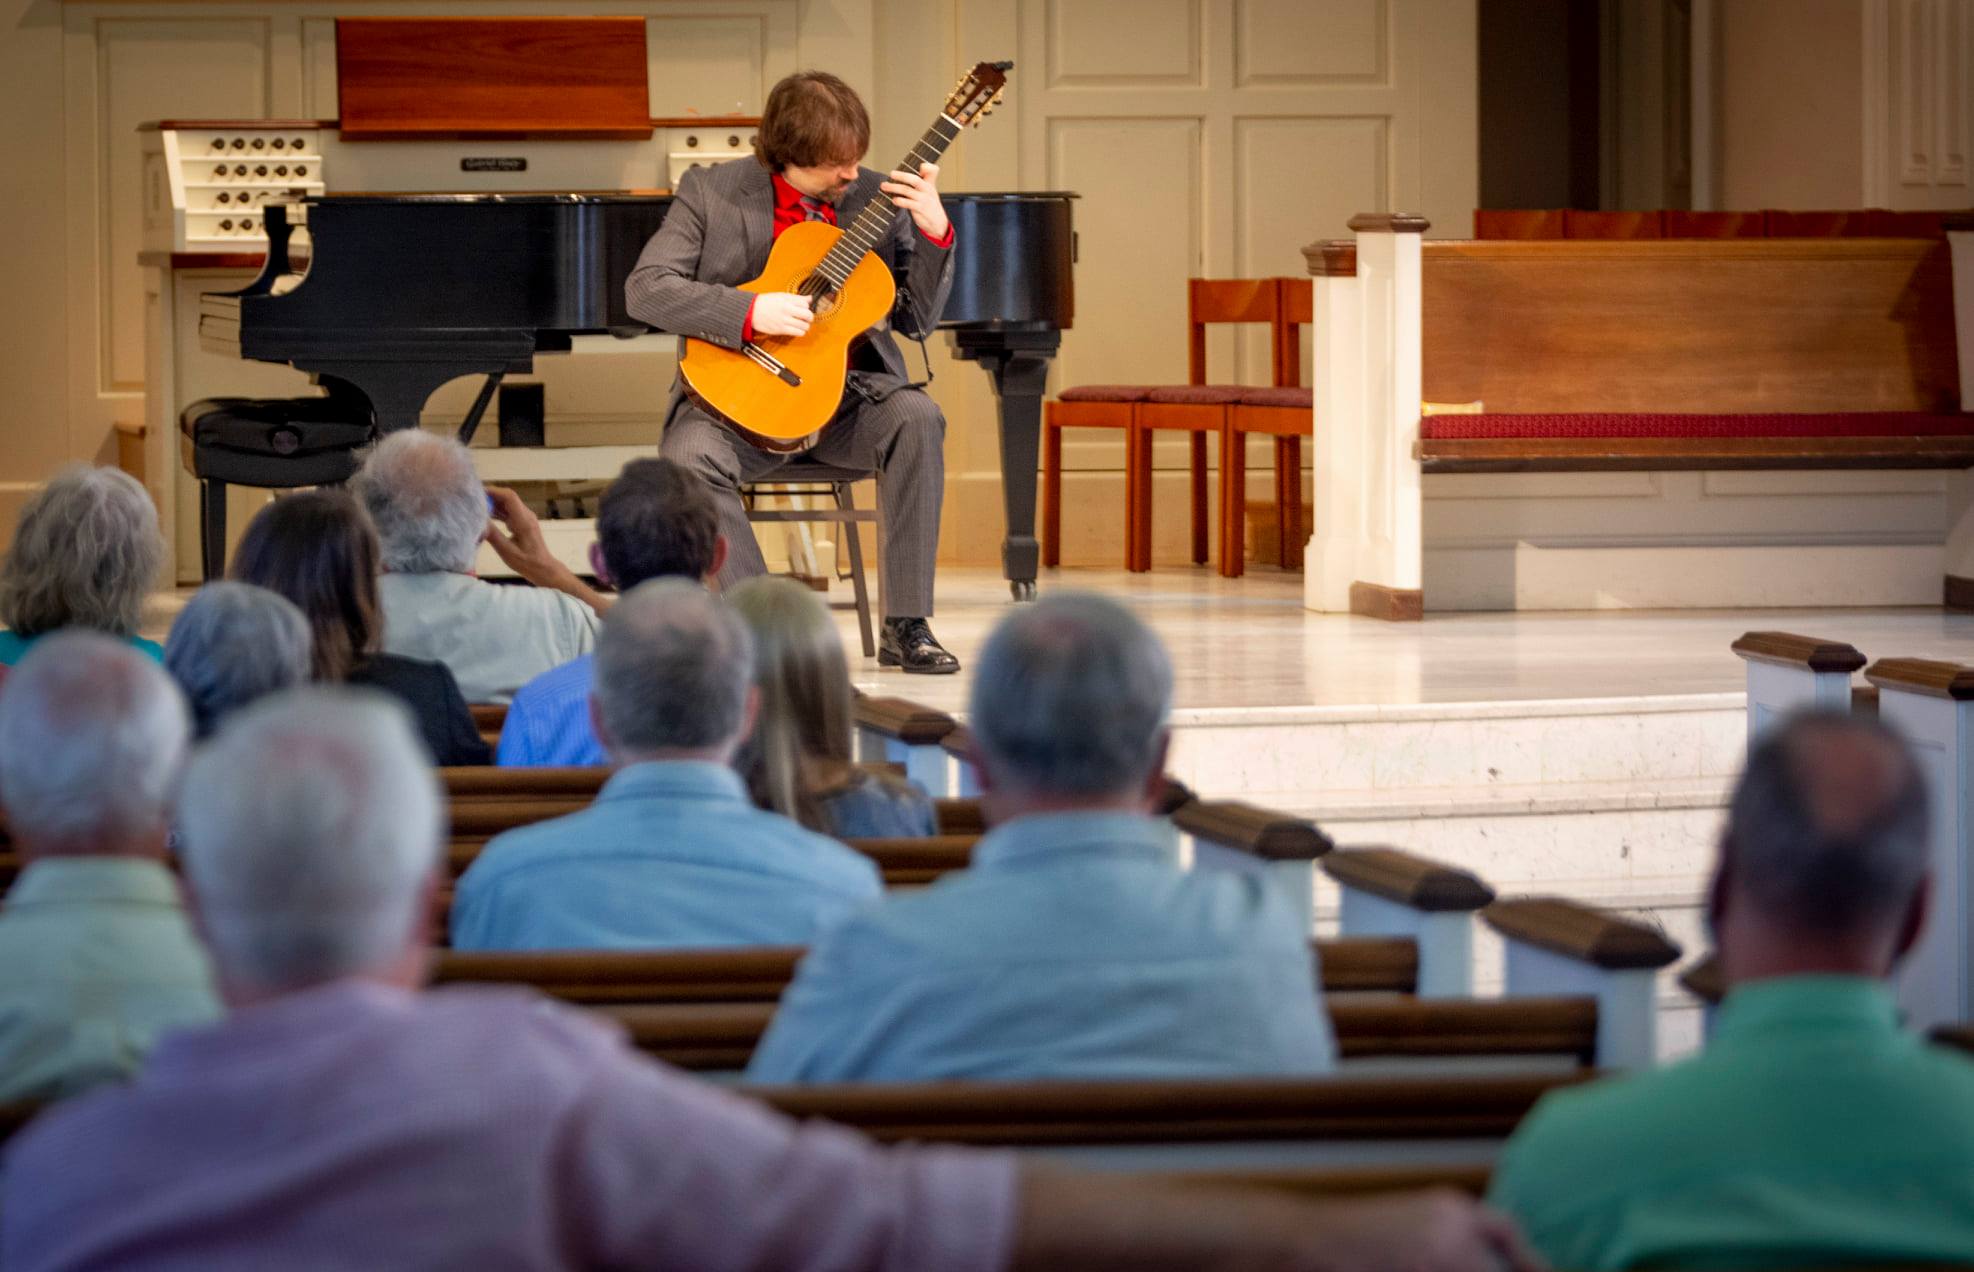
1023	589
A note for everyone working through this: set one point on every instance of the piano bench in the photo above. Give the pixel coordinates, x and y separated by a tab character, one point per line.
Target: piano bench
267	444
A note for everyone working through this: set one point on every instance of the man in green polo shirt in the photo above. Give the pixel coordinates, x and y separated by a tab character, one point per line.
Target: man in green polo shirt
1812	1130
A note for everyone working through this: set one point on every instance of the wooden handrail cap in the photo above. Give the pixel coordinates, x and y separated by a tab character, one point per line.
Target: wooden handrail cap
1270	835
1790	650
909	722
1704	980
1390	223
1923	676
1581	932
1957	222
1410	881
1332	258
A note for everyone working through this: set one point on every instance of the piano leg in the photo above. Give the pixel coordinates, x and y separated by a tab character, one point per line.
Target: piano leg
397	391
1019	367
1020	379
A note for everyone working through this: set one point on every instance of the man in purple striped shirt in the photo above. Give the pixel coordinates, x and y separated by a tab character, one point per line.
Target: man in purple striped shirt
339	1118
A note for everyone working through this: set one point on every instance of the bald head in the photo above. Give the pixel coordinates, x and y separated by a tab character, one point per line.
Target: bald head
1826	835
674	672
92	737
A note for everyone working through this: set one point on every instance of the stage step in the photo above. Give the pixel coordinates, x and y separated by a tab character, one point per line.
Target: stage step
1612	801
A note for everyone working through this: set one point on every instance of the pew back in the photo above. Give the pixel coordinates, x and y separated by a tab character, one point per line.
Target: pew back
1707	326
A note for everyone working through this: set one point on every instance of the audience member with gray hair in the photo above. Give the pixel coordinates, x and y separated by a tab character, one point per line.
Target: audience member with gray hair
672	853
233	643
97	958
1812	1130
431	513
338	1117
1075	945
86	552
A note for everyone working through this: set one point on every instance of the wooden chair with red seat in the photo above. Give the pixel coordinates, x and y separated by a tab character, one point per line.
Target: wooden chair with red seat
1283	411
1196	407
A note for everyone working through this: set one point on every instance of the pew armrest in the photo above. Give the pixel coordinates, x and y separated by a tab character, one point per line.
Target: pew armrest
1787	672
1556	946
903	732
1386	892
957	747
1227	835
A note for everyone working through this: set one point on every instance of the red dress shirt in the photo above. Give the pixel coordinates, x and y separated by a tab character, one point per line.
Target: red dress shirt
789	211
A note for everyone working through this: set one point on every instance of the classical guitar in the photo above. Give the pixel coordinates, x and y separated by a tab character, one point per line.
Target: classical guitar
780	390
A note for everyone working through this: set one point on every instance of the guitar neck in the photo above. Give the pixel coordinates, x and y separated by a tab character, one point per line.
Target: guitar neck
871	224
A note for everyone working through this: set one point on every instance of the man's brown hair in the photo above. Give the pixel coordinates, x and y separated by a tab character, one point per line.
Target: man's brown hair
812	118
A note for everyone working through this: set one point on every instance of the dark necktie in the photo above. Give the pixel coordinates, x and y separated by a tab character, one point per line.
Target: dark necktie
812	209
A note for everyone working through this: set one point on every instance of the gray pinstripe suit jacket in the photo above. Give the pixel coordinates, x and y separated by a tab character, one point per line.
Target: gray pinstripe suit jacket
717	235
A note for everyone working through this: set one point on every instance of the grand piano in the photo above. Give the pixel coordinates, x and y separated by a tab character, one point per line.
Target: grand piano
402	293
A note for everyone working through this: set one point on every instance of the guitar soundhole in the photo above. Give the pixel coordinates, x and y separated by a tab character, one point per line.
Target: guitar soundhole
822	296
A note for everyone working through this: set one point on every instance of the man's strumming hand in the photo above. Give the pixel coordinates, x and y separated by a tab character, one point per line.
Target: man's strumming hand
781	314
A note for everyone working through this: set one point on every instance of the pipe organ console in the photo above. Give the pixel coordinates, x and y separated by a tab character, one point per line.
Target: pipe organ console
205	181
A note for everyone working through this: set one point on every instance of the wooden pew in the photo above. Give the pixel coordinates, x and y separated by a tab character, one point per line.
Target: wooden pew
1579	986
1609	356
759	974
489	718
1556	946
721	1037
1191	1126
1386	892
1932	704
904	732
1787	672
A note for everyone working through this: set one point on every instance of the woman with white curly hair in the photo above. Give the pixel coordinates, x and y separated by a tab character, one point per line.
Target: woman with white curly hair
87	551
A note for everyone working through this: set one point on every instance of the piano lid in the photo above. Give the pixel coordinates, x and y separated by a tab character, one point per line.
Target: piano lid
1015	256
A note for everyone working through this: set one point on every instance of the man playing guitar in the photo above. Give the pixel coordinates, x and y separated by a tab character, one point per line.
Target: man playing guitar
724	219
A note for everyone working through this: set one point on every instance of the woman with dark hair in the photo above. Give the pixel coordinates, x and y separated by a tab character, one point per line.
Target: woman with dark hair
317	548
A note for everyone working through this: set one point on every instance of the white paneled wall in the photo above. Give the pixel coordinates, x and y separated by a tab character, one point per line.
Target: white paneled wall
1923	62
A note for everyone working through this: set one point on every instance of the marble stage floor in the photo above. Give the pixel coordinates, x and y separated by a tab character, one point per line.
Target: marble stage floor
1248	643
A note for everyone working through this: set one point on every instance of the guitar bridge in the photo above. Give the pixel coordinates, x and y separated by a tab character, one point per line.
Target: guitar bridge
763	358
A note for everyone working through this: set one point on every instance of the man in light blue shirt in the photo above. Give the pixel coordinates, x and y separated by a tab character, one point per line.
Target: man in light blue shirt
97	958
1813	1131
672	854
656	520
1074	946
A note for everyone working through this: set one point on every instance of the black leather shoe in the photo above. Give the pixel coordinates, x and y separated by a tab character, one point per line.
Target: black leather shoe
910	644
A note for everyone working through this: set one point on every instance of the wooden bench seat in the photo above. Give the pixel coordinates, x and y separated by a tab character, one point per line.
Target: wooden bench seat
1387	965
1242	1125
721	1037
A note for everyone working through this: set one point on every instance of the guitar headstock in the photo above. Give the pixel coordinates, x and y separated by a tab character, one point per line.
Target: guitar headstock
978	92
